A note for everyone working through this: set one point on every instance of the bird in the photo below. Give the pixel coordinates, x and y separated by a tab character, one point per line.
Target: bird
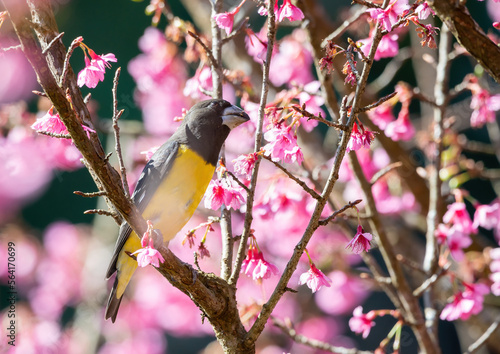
172	184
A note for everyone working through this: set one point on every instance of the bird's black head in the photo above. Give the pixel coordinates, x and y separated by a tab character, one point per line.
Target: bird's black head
207	125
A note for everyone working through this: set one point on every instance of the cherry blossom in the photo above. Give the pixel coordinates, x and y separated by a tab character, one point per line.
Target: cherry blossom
289	11
360	242
401	128
487	216
359	138
314	278
243	165
222	192
458	215
424	10
282	145
95	68
466	303
225	20
51	123
389	16
388	46
256	266
484	106
148	254
361	323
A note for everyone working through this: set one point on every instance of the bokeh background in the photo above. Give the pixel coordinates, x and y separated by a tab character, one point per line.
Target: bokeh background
58	248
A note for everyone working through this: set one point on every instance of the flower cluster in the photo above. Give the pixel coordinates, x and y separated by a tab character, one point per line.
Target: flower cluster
466	303
148	254
282	145
255	266
95	67
221	192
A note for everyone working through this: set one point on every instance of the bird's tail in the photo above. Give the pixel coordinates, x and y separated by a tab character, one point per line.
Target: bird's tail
125	268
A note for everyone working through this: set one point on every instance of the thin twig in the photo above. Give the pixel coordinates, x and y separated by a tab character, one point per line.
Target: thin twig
340	211
47	48
368	4
313	343
430	281
76	42
484	337
344	26
54	135
116	116
320	119
39	93
381	173
207	50
304	186
90	195
378	103
237	180
236	31
14	47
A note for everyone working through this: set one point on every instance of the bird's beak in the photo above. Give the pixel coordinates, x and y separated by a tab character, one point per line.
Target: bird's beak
233	116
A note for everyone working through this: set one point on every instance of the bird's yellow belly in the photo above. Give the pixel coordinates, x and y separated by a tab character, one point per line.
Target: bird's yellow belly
179	194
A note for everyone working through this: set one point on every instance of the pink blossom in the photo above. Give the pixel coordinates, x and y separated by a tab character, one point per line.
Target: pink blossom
487	216
222	192
382	115
484	107
289	11
148	254
466	303
458	215
282	145
388	46
424	10
256	44
225	20
256	266
361	323
389	16
94	69
160	75
495	271
359	138
457	241
314	278
292	60
360	242
243	165
401	128
441	233
348	290
50	123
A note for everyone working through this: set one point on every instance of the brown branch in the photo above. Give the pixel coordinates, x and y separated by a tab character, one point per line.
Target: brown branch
340	211
378	103
469	34
90	195
46	49
474	347
116	129
320	119
381	173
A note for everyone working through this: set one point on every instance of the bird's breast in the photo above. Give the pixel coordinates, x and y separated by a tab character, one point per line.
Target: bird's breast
180	193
